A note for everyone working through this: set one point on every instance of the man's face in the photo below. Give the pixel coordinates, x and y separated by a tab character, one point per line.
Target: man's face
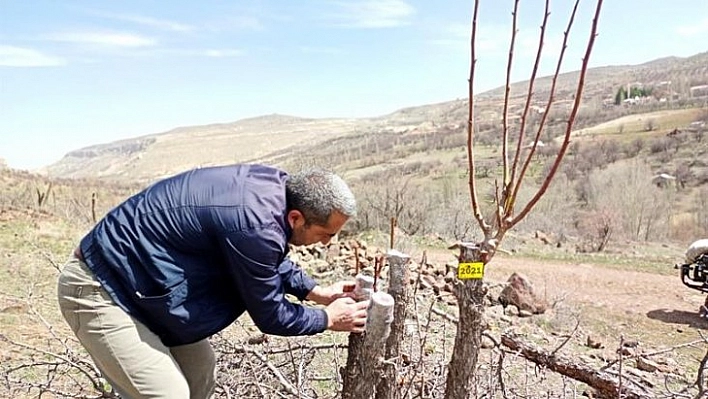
306	234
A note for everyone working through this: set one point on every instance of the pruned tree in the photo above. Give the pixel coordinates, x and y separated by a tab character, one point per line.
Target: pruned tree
470	292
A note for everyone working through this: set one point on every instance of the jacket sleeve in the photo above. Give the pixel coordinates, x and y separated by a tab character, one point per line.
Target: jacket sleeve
295	280
254	262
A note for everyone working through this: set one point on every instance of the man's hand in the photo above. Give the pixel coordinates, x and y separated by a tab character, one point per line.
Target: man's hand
345	314
326	295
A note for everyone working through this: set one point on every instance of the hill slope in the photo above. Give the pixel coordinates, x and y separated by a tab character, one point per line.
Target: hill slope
276	138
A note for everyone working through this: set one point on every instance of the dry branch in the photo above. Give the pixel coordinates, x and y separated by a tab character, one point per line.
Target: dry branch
604	383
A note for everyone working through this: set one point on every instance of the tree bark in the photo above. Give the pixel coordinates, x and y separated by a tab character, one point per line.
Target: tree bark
398	289
605	385
470	296
364	361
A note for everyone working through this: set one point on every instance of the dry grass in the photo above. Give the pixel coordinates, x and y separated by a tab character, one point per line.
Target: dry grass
630	127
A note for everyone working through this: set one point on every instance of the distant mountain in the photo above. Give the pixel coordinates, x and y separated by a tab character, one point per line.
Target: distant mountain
161	154
280	138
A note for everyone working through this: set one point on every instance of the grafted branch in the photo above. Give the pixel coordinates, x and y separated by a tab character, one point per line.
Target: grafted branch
505	121
476	209
527	106
571	117
470	293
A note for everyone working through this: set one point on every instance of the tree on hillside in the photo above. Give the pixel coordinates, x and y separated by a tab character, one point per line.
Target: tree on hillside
634	92
621	95
470	290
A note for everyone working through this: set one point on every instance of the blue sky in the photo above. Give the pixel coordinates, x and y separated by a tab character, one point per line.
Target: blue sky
77	73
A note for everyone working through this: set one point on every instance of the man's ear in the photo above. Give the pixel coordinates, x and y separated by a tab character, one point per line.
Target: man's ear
295	218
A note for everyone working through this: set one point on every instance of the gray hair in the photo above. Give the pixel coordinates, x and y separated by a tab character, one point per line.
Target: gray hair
317	193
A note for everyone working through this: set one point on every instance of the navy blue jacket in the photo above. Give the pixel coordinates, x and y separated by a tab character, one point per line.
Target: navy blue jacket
191	253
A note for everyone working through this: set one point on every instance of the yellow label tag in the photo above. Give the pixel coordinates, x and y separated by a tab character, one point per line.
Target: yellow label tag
470	270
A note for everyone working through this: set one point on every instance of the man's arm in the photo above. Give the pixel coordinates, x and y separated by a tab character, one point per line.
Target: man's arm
298	283
295	281
254	265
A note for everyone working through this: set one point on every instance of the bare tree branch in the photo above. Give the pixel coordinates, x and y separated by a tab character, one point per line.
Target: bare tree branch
524	116
507	91
476	209
571	117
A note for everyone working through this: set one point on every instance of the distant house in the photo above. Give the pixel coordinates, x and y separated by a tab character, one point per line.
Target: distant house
662	180
631	100
696	126
698	91
538	109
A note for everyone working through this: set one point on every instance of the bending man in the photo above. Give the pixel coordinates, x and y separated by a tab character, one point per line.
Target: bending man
181	260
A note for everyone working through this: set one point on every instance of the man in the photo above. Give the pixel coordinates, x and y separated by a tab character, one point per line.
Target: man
181	260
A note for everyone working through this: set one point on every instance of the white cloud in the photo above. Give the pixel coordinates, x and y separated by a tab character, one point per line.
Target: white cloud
162	24
213	53
374	13
699	28
493	40
230	23
104	39
489	39
11	56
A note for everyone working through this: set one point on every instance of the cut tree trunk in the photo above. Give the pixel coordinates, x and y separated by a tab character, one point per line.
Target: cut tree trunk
365	358
470	298
398	289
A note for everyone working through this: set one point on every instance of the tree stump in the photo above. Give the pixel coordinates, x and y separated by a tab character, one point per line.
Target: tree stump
470	295
364	360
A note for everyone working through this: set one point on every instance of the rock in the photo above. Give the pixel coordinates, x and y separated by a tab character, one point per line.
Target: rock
511	311
593	343
520	293
587	359
487	342
427	281
439	285
646	365
257	339
542	237
624	351
319	265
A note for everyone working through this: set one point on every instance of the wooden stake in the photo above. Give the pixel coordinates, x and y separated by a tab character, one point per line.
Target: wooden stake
392	233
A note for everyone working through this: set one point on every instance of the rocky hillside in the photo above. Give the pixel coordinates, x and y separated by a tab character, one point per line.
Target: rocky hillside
156	155
279	139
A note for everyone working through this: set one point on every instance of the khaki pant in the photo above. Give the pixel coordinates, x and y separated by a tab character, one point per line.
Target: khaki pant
130	356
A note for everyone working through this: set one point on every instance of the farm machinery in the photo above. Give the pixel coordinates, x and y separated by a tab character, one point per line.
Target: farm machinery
694	273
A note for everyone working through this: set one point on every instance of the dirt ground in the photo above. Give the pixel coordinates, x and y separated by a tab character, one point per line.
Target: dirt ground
620	291
657	310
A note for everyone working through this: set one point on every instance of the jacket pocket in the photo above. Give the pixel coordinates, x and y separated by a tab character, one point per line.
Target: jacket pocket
165	313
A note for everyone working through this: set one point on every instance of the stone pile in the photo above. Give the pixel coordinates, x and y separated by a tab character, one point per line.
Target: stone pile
337	260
